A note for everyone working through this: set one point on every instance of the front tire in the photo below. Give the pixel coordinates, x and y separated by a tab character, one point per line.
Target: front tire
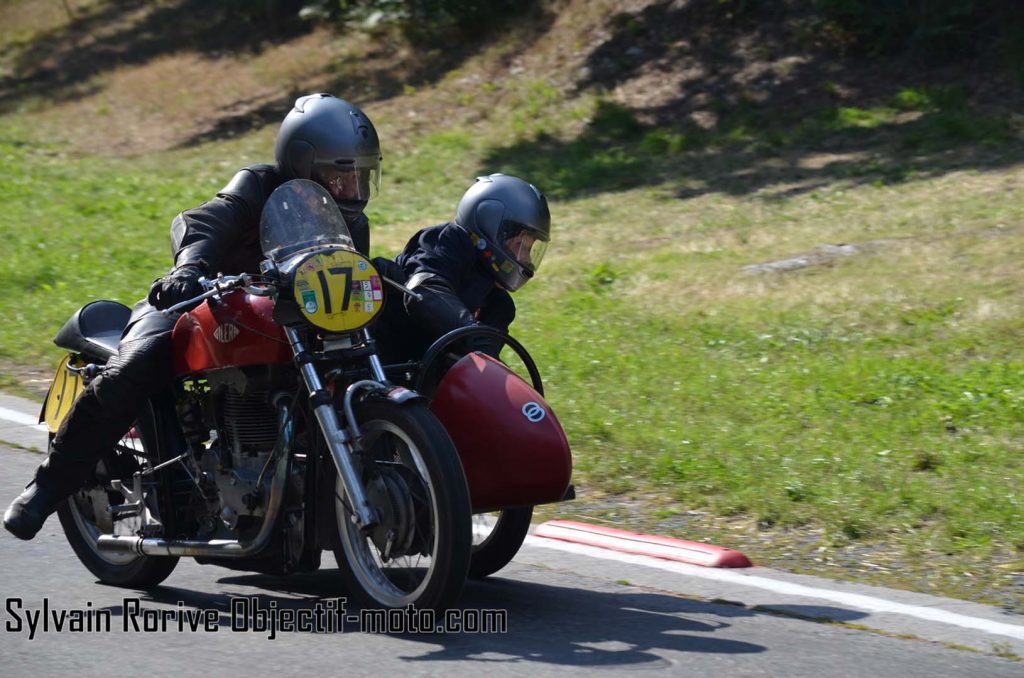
419	553
84	517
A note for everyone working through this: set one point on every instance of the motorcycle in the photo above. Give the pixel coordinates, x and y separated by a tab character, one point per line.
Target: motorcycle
283	435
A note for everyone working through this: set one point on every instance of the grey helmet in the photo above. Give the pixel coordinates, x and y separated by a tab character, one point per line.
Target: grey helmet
332	142
509	222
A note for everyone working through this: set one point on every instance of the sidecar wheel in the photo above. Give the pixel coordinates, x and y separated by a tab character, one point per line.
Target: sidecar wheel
495	544
419	553
84	518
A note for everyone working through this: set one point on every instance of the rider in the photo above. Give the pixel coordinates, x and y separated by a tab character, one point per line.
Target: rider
465	269
323	138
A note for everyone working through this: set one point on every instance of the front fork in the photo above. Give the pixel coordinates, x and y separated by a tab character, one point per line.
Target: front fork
339	442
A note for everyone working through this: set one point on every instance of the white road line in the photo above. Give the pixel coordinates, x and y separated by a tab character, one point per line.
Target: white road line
23	419
855	600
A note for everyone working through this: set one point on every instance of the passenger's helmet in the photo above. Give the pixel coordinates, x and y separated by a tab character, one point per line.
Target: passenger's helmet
509	222
332	142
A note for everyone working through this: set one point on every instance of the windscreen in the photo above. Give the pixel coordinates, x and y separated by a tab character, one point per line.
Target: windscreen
299	216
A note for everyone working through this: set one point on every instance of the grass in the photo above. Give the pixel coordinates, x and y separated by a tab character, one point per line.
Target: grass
74	229
866	410
1005	651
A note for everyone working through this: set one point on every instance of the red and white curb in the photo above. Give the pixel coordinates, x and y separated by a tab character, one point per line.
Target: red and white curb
623	541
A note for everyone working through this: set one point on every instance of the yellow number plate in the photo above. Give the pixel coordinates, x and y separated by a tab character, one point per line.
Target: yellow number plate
338	291
65	388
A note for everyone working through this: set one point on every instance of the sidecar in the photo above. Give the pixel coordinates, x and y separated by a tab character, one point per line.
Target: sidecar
513	450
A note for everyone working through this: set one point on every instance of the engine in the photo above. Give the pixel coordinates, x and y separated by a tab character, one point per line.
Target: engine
238	458
233	428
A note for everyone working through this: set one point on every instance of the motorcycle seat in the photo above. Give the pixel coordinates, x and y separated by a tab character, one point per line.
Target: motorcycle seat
95	329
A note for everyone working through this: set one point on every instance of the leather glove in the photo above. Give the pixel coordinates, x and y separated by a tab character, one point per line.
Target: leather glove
389	269
177	286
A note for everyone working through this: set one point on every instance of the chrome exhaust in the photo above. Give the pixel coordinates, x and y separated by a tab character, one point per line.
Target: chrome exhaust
223	548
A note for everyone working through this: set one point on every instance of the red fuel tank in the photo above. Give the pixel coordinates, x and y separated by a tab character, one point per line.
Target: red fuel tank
235	331
513	449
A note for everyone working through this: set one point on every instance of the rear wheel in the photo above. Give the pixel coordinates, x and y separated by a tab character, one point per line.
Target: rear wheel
84	516
497	538
419	552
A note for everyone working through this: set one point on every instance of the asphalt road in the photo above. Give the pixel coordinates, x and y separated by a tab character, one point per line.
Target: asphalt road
564	617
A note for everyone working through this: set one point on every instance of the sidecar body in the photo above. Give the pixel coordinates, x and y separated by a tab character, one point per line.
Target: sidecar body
513	449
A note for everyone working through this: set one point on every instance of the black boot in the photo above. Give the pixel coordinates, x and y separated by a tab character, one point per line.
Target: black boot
26	514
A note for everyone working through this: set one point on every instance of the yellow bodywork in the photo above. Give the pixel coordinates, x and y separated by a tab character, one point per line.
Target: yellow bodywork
65	388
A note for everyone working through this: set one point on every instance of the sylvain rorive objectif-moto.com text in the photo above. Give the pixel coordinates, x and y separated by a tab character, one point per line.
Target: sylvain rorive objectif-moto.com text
244	615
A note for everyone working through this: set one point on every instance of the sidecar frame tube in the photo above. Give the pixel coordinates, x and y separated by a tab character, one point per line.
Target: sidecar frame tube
442	344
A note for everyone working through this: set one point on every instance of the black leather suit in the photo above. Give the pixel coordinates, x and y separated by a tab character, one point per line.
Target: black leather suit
219	236
441	264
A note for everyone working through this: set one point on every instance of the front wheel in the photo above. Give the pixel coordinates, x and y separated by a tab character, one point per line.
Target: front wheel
418	554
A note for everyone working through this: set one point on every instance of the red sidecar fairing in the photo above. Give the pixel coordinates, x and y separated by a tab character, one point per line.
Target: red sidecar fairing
512	447
236	331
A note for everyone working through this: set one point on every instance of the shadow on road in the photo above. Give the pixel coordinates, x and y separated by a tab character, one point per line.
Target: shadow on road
546	624
577	627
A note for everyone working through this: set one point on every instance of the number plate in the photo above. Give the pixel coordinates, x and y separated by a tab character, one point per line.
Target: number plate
65	388
338	291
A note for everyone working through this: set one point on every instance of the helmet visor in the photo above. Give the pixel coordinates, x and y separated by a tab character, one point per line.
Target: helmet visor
523	244
349	182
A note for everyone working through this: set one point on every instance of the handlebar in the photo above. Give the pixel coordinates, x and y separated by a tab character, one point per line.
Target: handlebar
399	286
431	359
220	285
230	283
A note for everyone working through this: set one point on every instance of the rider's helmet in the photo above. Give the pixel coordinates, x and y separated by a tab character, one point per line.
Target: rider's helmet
332	142
509	222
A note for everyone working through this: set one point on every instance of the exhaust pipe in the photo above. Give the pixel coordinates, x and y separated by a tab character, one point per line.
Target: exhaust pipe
220	548
223	548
